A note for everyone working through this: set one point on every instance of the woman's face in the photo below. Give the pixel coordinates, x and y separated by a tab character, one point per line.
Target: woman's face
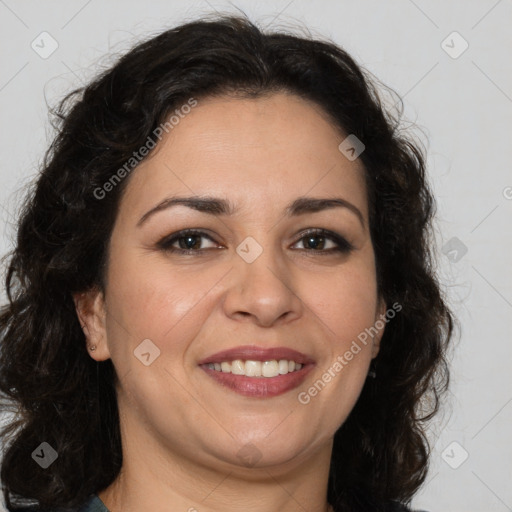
262	281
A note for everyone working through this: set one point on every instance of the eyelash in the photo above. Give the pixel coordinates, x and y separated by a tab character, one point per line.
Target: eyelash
343	246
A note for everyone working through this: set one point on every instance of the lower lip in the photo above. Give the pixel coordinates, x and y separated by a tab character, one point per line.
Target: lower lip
260	387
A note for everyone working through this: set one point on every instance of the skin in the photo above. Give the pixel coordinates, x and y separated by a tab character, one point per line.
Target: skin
181	430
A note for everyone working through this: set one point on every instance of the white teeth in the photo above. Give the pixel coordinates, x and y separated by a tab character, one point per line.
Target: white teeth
283	366
250	368
237	367
270	368
225	367
253	368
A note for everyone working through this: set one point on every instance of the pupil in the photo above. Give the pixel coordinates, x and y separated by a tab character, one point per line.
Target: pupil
188	239
191	242
312	243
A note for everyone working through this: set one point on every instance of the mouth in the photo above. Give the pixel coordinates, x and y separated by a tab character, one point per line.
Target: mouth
258	372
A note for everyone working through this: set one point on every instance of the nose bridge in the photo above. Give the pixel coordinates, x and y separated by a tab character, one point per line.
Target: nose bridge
261	283
261	263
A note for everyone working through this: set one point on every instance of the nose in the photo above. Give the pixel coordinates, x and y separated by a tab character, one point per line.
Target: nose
262	292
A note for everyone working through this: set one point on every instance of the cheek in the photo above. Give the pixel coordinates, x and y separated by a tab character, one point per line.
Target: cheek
156	301
345	302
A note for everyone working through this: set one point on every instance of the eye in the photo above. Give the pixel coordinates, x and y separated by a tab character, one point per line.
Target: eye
324	241
188	242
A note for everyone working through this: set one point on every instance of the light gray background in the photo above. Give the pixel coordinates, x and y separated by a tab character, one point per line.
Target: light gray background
463	106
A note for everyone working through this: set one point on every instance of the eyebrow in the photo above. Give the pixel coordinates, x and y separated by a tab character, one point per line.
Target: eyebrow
218	206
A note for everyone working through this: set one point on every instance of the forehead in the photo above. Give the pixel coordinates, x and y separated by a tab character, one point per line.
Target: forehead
264	151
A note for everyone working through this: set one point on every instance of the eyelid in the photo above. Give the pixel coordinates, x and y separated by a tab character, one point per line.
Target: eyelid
166	242
342	244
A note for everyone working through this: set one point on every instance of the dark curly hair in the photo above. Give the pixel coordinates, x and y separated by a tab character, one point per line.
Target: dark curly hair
57	393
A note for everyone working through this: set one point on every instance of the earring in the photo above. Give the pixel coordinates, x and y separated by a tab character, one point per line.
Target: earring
92	348
372	372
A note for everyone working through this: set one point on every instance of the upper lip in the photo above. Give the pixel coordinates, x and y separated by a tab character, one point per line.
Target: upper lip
255	353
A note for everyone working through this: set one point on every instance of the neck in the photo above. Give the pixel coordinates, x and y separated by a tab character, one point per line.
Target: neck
155	477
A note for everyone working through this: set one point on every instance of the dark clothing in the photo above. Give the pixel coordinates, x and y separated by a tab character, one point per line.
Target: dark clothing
94	504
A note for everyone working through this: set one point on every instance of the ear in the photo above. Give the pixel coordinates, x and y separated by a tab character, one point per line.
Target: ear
380	325
91	311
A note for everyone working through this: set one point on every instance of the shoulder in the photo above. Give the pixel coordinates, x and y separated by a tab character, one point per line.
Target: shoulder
92	504
359	501
399	507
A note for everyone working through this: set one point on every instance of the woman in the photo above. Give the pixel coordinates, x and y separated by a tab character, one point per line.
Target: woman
222	293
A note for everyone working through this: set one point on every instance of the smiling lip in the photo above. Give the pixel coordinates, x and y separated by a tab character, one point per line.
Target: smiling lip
259	387
254	353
